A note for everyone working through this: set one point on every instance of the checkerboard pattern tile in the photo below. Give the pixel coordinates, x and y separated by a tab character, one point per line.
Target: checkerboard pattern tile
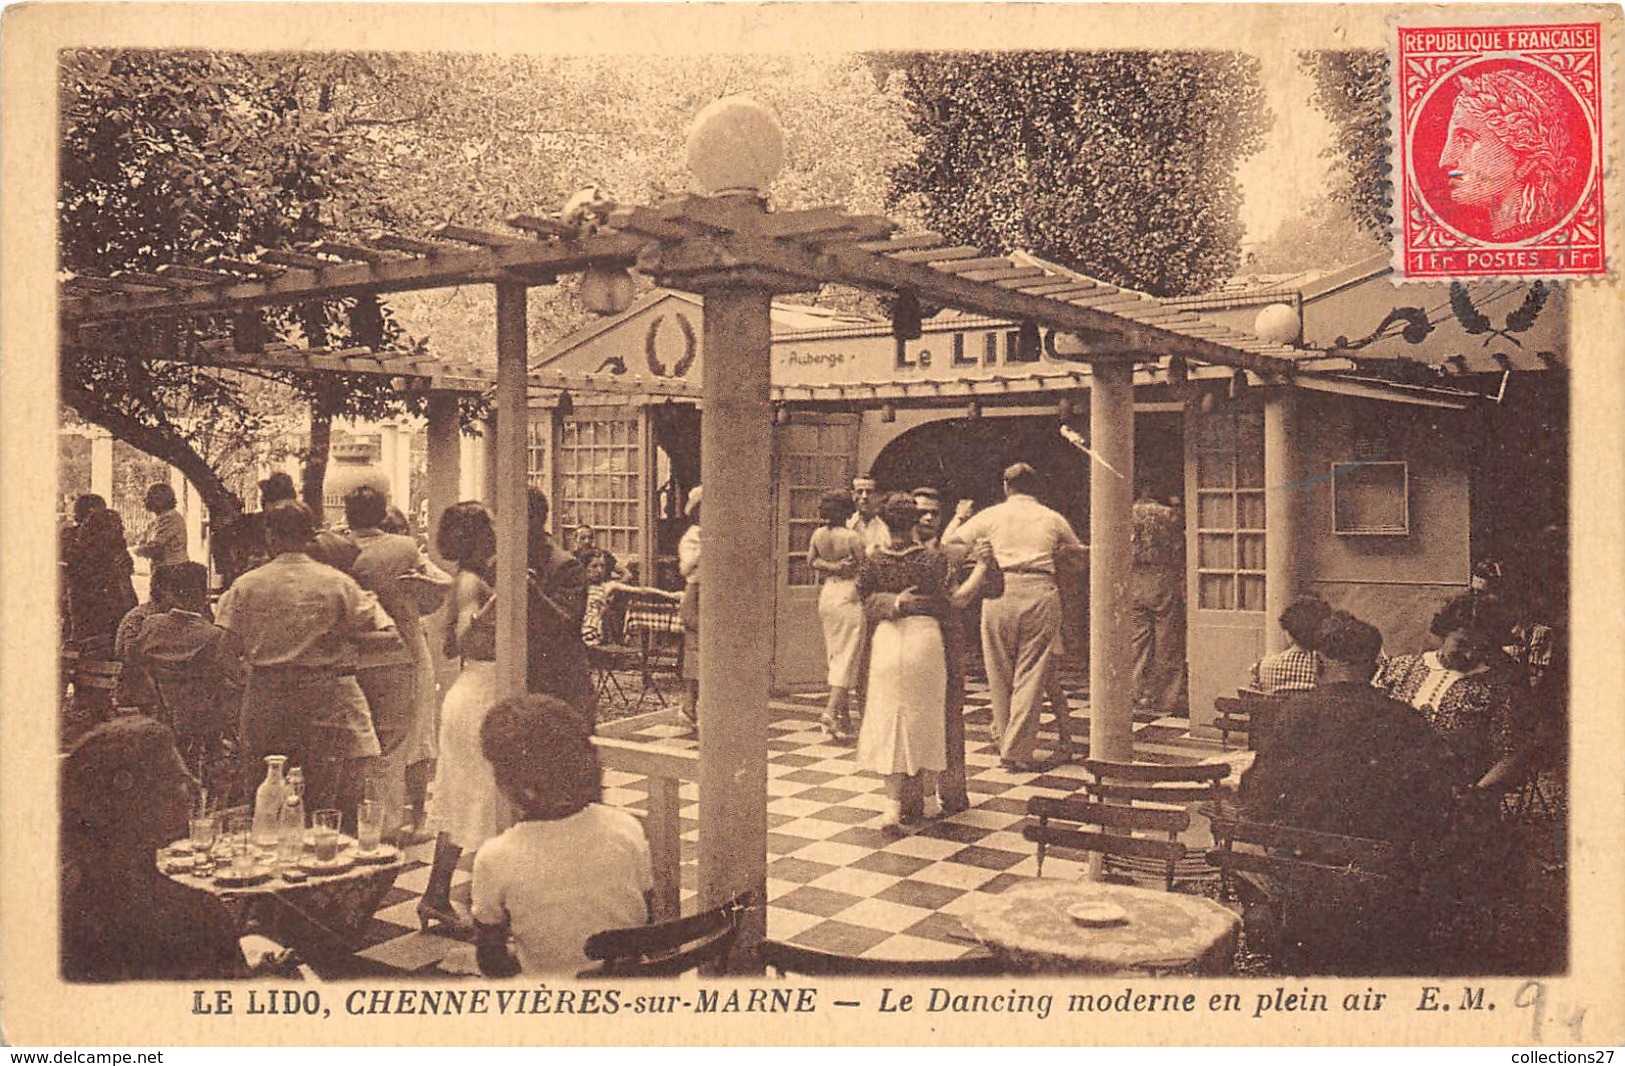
834	881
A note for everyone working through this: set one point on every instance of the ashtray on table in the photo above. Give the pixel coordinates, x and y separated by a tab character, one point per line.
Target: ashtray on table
1098	914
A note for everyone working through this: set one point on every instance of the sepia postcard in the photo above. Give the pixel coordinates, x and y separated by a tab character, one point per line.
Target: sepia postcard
785	524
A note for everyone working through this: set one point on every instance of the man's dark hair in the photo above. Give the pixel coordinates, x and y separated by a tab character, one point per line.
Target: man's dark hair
160	498
1343	638
276	488
186	585
289	525
365	507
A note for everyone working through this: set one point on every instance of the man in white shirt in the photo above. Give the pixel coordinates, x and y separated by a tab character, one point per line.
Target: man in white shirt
865	522
1020	628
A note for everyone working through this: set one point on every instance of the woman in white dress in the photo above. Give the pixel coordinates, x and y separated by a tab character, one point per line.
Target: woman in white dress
834	554
469	806
904	733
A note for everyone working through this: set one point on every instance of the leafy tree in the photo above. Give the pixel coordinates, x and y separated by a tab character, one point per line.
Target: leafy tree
178	157
1351	88
1120	164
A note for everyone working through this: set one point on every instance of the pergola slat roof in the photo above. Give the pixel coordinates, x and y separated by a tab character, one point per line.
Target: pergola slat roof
682	243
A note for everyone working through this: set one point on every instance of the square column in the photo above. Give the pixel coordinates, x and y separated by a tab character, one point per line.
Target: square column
736	602
445	462
1283	490
508	496
1111	560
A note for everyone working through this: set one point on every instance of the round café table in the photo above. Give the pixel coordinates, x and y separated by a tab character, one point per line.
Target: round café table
1027	926
322	915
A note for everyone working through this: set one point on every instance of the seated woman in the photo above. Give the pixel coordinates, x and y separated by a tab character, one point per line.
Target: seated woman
125	793
601	593
1295	668
571	866
1463	689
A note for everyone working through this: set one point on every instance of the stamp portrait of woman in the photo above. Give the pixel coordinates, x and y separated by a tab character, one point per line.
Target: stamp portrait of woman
1509	154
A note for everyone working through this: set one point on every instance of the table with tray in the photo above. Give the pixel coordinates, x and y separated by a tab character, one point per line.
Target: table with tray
321	908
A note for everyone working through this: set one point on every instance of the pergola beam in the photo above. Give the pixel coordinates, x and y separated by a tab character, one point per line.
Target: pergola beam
333	279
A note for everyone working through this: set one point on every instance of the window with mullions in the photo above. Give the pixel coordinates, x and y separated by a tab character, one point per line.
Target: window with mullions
599	469
1230	509
537	433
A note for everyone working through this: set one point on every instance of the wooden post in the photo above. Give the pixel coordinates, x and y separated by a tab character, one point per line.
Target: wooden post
1111	561
508	497
1282	492
736	602
445	462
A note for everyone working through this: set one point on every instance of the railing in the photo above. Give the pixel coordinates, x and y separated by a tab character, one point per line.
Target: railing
664	770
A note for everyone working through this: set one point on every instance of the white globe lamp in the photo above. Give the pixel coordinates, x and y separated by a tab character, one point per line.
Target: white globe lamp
1277	324
735	148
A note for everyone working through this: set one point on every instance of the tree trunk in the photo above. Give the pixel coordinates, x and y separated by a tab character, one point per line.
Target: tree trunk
162	445
321	442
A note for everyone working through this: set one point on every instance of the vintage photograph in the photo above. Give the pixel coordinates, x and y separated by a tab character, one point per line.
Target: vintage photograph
925	513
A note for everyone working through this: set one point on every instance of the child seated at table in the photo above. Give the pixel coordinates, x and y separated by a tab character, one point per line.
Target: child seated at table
1295	668
571	866
602	590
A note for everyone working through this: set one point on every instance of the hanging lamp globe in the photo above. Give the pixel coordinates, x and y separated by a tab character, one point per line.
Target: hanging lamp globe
607	290
735	147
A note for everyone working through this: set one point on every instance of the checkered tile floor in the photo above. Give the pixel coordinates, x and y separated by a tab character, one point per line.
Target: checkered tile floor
833	880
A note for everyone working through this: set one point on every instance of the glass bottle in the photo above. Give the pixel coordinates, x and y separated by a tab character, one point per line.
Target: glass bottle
293	817
268	801
291	846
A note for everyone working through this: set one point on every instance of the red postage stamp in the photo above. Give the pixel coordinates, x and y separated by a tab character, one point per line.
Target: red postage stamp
1499	133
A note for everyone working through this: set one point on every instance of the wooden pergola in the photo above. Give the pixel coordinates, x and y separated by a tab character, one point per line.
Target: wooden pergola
736	254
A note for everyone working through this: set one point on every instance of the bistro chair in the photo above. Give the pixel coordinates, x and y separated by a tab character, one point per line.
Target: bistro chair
1140	782
1160	786
1230	716
665	949
1110	831
1247	712
785	959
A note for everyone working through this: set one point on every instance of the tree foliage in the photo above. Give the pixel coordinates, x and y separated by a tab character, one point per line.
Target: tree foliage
1120	164
1351	88
178	157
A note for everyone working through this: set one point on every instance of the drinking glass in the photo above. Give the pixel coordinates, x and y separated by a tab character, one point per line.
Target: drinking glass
201	830
239	831
327	834
369	824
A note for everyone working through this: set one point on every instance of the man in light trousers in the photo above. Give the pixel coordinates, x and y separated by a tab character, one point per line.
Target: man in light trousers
1019	629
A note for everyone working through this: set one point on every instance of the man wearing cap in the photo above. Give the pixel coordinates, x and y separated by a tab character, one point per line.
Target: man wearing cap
865	522
299	624
1019	628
